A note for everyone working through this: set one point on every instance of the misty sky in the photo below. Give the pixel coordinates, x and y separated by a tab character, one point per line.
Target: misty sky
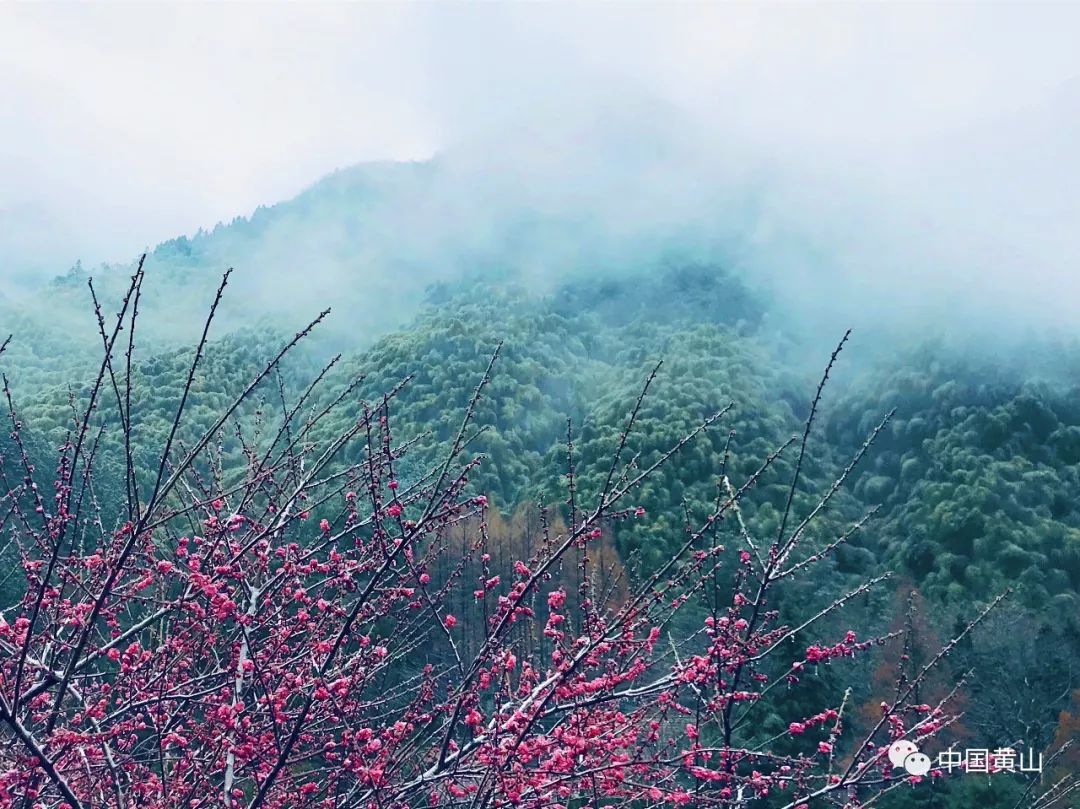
949	126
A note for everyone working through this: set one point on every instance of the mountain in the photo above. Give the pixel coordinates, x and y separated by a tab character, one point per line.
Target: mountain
975	475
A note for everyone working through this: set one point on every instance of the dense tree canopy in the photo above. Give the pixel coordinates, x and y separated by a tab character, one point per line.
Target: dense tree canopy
975	475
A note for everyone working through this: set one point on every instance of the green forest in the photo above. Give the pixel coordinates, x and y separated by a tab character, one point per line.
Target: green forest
968	490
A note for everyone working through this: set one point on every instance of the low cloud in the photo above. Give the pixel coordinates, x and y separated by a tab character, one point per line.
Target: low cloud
875	163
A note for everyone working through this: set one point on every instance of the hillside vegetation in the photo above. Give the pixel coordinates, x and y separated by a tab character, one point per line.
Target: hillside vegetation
974	478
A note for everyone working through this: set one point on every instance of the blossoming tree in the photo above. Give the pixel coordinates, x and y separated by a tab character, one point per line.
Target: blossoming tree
281	636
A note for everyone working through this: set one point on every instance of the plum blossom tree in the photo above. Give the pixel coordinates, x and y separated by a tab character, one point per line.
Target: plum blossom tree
281	635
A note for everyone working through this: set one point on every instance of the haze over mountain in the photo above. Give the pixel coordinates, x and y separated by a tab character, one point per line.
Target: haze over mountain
872	166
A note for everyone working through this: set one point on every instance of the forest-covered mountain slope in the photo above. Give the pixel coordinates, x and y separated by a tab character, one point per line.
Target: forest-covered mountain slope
974	478
975	475
372	239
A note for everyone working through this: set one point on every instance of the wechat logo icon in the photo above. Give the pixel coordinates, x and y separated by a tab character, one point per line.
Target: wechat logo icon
904	753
